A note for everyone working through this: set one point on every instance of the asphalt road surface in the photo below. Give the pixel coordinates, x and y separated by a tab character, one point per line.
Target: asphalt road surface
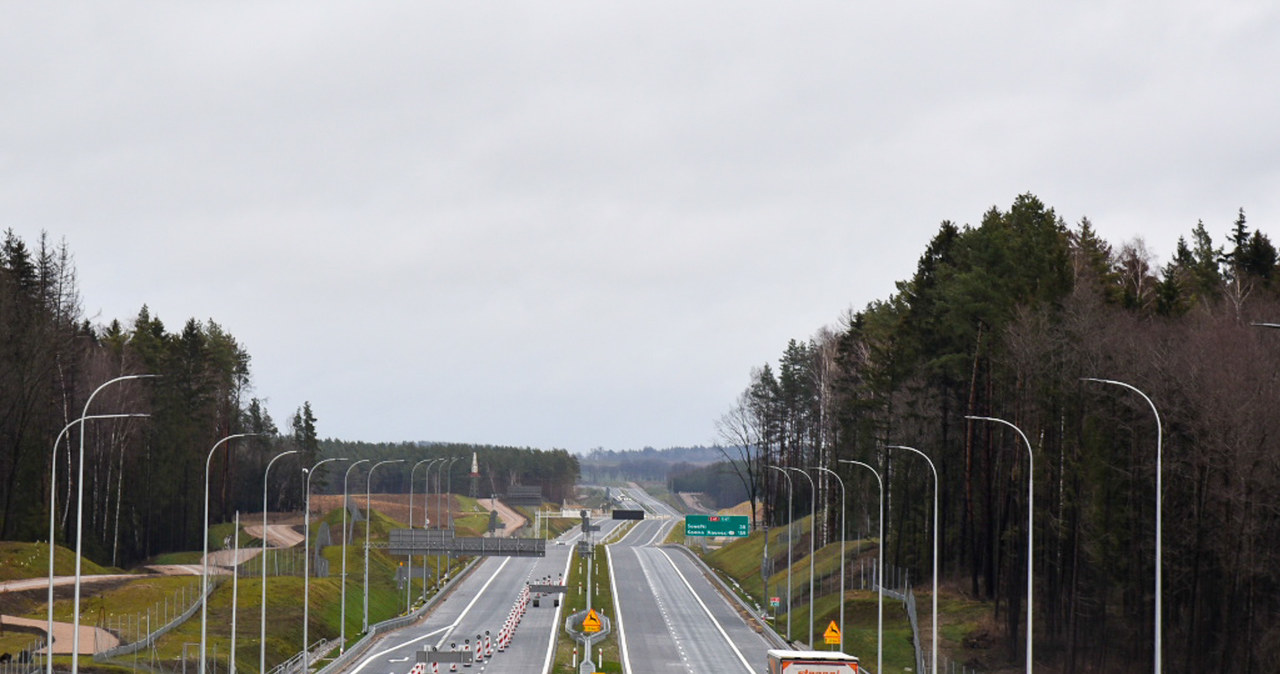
670	616
482	603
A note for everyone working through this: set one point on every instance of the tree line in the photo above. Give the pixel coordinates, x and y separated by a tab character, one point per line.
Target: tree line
1005	319
144	475
555	471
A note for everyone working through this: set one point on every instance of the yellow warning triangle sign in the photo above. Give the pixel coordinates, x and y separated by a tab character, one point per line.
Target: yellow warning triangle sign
592	622
832	635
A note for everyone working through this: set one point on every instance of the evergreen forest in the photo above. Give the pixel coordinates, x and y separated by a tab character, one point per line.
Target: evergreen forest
1006	319
144	474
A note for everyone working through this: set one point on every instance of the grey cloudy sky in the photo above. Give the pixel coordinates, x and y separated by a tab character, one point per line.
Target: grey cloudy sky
580	224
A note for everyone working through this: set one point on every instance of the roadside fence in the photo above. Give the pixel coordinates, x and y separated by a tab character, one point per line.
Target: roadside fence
279	562
137	631
26	660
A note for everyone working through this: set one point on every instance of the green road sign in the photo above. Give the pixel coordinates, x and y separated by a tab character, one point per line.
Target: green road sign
716	525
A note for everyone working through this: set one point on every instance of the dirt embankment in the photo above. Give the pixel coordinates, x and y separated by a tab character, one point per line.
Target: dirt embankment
396	506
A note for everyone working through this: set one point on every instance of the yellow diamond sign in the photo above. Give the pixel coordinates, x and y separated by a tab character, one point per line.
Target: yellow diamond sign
591	623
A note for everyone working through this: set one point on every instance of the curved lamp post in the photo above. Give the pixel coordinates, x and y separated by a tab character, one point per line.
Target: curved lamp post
262	636
813	533
879	571
342	638
426	516
204	559
842	567
933	665
789	527
448	495
442	507
75	635
1031	501
368	524
306	560
408	576
53	507
426	522
1159	500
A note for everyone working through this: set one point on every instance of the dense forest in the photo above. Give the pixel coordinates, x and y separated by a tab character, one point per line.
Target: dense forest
1005	319
144	474
555	472
643	465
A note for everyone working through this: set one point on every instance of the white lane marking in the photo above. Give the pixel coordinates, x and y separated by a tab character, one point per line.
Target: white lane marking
551	639
662	529
617	604
473	601
706	610
446	629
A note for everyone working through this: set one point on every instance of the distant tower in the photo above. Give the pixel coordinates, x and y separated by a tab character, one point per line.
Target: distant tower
475	475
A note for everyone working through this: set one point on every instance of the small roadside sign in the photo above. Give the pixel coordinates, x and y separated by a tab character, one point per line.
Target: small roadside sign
832	635
775	601
591	623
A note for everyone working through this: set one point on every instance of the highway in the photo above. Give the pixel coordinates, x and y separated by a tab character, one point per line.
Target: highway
670	616
482	603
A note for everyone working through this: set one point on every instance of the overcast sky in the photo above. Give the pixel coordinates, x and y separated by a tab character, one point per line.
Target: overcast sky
581	224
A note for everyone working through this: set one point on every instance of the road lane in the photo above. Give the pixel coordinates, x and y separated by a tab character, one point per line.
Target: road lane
483	602
671	616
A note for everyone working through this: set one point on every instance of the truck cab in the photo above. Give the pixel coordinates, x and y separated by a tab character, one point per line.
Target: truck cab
812	662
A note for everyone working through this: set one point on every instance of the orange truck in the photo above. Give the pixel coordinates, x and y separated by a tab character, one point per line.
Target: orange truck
812	662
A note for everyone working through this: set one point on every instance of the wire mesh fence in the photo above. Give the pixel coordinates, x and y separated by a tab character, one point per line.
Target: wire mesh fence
25	660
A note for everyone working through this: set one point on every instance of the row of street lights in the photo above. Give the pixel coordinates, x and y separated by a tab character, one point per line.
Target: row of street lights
85	416
933	667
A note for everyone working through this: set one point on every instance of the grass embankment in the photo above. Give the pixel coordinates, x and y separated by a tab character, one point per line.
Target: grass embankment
122	603
601	601
31	560
740	560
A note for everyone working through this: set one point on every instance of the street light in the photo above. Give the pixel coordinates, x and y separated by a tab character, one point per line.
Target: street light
53	507
933	665
842	568
204	559
262	636
342	637
441	507
448	495
1159	500
368	522
789	519
306	559
1031	500
879	571
813	533
426	521
75	635
408	576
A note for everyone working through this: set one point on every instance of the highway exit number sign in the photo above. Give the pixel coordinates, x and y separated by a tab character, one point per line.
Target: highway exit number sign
717	525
